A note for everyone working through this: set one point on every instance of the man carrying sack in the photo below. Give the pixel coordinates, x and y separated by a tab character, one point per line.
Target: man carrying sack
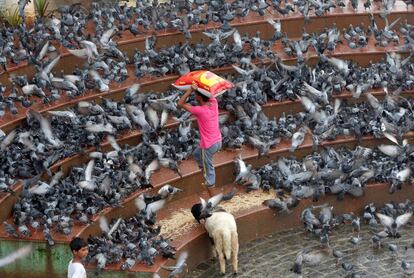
207	116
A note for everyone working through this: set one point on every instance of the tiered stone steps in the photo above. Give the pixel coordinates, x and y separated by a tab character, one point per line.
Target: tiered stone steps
253	222
133	137
192	177
257	220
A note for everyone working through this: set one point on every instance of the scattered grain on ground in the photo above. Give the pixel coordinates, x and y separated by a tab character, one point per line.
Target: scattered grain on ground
182	221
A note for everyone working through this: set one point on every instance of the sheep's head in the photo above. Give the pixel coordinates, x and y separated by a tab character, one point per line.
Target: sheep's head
199	212
196	211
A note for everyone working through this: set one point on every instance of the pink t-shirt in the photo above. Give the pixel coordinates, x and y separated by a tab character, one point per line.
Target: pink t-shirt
208	123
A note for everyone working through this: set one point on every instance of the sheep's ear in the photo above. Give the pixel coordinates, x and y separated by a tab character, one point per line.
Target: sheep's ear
203	203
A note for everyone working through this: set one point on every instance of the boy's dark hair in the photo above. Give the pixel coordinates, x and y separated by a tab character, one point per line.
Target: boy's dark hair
77	244
203	97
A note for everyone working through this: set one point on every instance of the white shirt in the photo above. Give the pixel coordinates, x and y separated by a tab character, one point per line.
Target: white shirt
76	270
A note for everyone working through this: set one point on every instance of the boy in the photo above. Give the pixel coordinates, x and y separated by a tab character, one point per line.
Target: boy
207	116
79	250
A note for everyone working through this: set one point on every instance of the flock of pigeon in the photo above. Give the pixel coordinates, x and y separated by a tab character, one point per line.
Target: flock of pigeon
117	173
56	204
331	171
221	51
64	133
384	223
107	63
178	59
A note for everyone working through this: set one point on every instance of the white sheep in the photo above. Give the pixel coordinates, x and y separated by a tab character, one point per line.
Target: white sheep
222	230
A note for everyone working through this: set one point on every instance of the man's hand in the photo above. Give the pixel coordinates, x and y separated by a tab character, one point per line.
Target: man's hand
182	101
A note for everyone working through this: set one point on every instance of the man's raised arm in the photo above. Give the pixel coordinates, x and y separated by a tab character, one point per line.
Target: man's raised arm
182	102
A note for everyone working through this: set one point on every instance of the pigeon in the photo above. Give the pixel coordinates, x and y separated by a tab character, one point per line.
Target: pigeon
208	206
393	225
167	191
179	267
10	230
16	255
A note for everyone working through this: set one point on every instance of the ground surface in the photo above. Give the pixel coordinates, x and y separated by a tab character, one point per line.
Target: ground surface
274	255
